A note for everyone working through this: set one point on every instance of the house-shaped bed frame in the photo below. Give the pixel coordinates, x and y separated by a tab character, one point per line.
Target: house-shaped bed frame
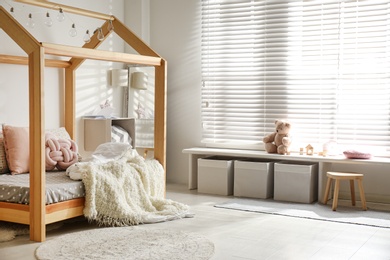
37	214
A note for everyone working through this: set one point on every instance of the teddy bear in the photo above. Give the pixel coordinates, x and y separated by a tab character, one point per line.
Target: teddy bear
279	141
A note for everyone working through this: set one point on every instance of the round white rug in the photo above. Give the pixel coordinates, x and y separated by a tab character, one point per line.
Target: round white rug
127	243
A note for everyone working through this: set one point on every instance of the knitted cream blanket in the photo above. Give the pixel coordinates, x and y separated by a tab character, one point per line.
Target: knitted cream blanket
127	191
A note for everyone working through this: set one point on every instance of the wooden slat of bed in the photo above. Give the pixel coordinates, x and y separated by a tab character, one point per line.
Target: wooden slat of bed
19	213
11	59
13	212
51	208
64	210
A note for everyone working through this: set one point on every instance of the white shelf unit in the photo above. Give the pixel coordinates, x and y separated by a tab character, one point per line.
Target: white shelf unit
98	130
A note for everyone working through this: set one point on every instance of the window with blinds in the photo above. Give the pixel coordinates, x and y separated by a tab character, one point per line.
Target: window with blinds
322	65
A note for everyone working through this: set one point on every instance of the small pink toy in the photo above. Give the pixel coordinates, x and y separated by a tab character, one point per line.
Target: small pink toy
60	153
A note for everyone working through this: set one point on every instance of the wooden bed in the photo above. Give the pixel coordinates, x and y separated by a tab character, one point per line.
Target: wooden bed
37	214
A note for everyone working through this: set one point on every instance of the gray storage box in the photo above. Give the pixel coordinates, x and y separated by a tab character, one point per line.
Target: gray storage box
215	175
253	179
296	182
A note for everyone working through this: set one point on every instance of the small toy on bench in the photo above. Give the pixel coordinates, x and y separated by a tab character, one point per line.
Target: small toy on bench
279	141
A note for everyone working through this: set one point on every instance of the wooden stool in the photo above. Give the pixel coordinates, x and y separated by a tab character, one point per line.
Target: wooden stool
337	176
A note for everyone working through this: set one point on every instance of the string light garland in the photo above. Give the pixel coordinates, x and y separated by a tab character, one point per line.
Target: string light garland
30	22
61	16
48	21
73	31
87	37
110	26
100	34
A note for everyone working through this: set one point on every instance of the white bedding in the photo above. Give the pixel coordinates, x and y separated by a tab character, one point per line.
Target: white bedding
122	188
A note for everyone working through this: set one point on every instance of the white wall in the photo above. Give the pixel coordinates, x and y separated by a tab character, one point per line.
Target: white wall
137	18
175	35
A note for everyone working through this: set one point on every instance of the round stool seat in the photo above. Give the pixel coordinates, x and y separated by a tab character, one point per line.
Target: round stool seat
344	175
351	176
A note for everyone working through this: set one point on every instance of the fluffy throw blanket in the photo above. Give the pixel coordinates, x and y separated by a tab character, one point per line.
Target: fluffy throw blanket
127	190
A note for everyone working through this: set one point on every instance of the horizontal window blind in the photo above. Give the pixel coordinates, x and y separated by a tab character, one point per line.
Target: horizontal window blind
322	65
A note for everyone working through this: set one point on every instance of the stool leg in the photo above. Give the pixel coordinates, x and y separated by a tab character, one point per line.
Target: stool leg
352	186
336	194
362	196
327	189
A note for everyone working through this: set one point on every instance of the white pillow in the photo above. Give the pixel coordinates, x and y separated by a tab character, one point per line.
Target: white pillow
60	133
110	151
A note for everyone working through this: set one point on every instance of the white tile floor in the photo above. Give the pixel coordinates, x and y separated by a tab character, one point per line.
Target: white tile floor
245	235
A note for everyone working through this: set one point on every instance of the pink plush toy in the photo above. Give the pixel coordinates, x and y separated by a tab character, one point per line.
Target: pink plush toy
60	153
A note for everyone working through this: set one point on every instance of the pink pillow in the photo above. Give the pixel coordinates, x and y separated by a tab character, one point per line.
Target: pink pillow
353	154
16	144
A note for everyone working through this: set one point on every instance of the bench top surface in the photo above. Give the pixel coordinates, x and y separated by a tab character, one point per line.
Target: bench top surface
292	156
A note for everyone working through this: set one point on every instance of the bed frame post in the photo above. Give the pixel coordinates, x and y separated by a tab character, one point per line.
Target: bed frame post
37	145
70	103
160	112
